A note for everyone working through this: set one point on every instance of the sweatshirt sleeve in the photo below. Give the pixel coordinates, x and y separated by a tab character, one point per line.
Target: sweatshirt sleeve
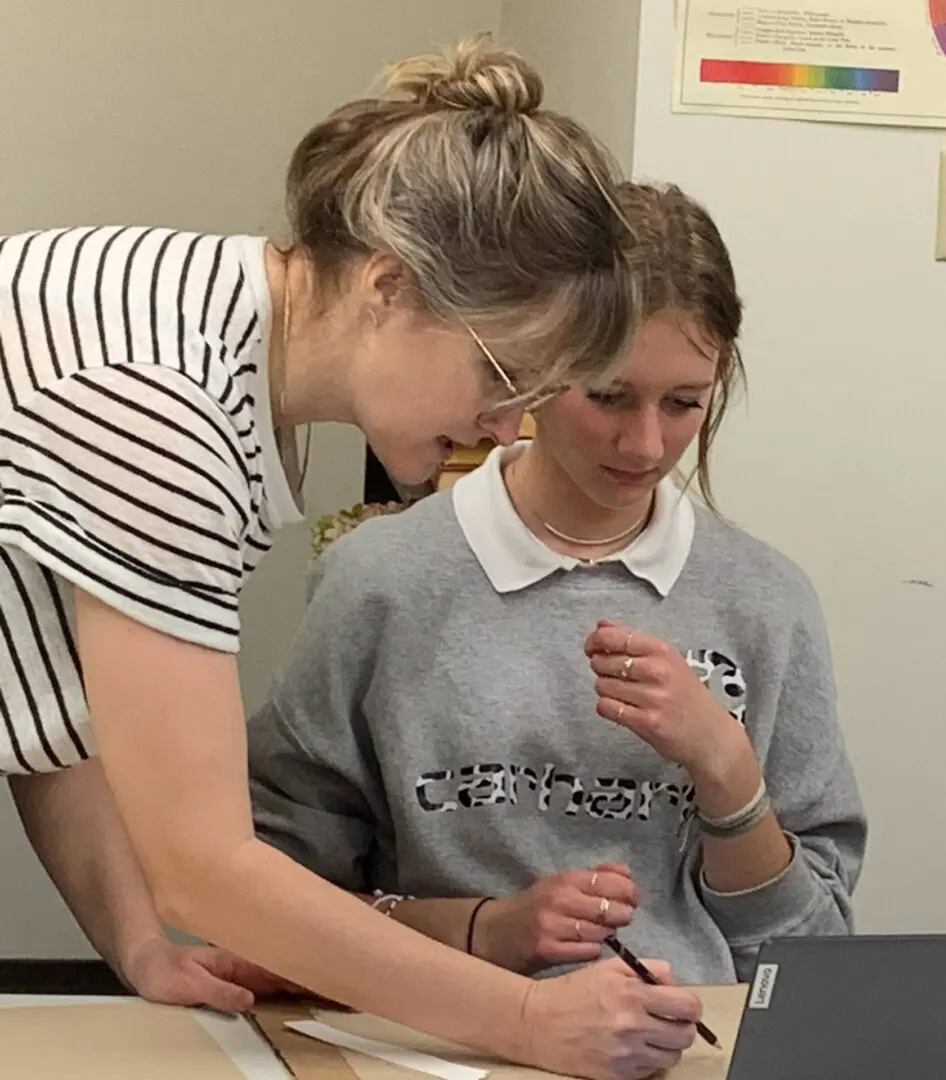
315	783
816	799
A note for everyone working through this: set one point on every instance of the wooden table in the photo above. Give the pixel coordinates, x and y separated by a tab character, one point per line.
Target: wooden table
309	1059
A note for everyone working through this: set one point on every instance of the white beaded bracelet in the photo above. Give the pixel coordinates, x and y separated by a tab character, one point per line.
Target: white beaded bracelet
392	900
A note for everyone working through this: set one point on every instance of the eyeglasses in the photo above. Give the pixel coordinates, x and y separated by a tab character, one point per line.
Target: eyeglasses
518	399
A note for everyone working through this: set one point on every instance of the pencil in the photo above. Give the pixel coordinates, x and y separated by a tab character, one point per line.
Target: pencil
649	977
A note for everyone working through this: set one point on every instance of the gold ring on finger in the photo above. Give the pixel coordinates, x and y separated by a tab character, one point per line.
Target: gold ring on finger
627	642
626	667
604	907
621	709
578	935
594	881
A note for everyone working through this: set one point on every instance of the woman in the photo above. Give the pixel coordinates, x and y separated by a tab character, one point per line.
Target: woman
448	239
435	733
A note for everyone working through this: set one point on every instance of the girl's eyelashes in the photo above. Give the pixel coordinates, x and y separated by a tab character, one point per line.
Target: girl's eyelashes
613	399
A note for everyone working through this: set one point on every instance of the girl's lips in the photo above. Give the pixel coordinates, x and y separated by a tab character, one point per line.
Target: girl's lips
625	476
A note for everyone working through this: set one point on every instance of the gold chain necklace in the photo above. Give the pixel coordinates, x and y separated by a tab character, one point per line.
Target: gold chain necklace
634	531
626	535
286	442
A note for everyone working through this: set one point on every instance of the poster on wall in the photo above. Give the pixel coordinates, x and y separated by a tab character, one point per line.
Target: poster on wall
840	61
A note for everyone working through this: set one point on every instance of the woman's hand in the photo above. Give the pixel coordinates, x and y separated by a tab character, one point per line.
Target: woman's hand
160	971
603	1022
560	919
646	686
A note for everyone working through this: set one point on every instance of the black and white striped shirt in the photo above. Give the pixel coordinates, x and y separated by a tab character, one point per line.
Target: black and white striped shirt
137	458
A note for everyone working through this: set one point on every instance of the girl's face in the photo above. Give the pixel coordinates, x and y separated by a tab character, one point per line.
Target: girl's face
615	446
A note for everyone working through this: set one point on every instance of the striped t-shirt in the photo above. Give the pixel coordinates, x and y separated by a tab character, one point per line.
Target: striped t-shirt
137	456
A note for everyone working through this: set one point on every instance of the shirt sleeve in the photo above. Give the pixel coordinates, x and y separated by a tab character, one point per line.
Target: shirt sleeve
129	482
316	784
815	797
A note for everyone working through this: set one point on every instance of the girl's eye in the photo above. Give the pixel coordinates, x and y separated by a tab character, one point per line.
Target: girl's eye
617	399
684	404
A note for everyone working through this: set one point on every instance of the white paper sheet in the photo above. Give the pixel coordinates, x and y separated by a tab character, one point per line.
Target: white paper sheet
395	1055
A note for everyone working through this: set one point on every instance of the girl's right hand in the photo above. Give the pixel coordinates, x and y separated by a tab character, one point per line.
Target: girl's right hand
605	1024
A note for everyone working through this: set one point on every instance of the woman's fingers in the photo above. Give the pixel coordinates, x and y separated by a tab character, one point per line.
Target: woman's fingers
673	1003
613	868
609	906
601	911
628	669
618	712
555	951
615	885
623	640
574	929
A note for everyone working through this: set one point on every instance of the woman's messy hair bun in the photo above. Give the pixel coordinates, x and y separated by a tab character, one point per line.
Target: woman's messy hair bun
475	74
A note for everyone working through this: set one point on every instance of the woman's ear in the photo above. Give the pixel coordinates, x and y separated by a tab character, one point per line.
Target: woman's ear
385	280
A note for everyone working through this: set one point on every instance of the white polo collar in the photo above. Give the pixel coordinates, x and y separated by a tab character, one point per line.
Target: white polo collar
514	558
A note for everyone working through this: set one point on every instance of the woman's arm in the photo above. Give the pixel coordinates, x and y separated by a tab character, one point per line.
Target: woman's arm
169	722
74	827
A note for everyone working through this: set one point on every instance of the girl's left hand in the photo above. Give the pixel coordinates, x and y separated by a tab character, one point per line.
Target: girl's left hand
646	686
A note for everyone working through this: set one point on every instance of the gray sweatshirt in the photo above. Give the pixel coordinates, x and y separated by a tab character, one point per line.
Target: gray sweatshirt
434	734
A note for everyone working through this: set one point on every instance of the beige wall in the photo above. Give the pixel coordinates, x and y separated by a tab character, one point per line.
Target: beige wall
183	113
587	53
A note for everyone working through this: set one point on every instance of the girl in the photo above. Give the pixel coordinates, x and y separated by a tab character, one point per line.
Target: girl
448	240
435	735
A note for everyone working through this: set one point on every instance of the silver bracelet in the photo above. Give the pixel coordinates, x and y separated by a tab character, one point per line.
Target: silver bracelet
740	821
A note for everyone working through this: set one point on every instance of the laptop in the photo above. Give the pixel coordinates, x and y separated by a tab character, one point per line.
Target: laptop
845	1008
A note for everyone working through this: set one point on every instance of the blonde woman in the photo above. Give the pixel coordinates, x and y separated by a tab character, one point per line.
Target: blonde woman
456	256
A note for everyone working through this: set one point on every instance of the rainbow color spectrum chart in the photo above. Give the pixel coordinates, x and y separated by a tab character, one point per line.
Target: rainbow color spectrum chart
842	61
800	76
938	22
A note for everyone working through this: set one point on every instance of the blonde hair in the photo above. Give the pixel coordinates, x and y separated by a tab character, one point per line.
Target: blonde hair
685	267
504	214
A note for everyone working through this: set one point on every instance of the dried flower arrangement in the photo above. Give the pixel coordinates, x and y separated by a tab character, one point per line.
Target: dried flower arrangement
332	527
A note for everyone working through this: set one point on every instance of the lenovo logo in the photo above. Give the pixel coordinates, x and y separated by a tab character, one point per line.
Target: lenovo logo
762	986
